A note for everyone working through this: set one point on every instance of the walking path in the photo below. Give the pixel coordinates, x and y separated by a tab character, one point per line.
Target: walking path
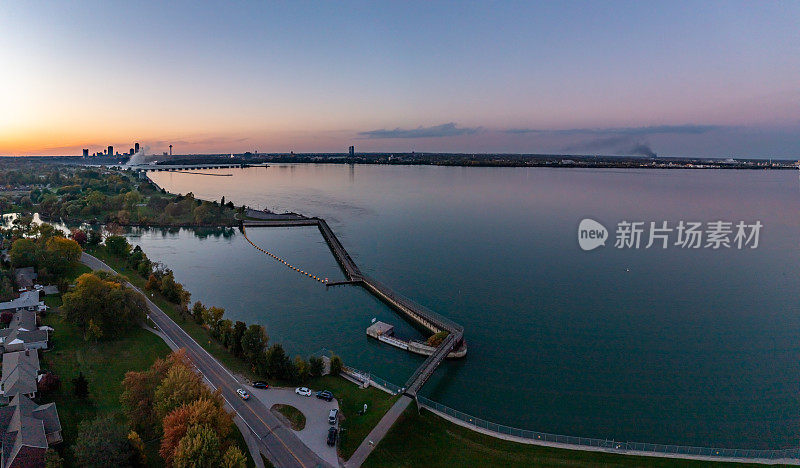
276	441
378	432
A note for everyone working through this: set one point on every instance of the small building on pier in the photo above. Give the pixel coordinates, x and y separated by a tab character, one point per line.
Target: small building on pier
378	329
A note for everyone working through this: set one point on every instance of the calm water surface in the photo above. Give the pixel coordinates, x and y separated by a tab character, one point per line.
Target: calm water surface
693	347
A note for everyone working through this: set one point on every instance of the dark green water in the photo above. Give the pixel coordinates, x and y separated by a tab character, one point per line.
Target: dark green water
696	347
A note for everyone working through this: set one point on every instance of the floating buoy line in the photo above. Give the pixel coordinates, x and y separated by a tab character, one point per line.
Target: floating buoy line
289	265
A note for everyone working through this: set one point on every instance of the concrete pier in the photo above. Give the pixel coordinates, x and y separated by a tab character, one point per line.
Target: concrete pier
453	344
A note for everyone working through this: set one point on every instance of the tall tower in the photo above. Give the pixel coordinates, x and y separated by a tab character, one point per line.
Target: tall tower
110	150
170	150
136	147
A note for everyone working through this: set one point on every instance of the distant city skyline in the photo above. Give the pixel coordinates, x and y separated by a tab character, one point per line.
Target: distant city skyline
692	78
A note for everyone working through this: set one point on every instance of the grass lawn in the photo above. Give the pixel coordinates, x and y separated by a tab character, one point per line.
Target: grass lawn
296	419
104	365
351	399
428	440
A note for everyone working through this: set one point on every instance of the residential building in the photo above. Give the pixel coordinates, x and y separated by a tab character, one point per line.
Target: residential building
20	374
27	300
26	432
23	334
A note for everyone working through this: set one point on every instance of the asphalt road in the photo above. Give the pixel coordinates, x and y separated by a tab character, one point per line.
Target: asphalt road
284	448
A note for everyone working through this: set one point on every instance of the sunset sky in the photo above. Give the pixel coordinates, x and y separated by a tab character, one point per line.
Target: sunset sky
683	78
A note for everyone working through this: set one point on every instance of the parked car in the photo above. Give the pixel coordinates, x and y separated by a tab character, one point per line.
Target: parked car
332	432
242	393
325	395
260	384
332	416
302	391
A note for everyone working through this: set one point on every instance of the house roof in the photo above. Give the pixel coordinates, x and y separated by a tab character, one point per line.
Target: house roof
24	427
20	371
21	330
26	299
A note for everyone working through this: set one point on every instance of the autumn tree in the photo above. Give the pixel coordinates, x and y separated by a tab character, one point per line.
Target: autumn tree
208	412
102	442
233	458
181	385
199	448
103	300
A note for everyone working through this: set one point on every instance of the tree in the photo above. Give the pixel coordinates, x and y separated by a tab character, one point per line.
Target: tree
199	448
254	340
212	317
102	442
180	386
95	238
238	332
278	362
208	412
153	284
6	316
52	459
118	246
102	300
139	390
49	382
301	369
198	312
315	366
59	255
80	386
23	253
79	236
139	457
336	365
225	332
233	458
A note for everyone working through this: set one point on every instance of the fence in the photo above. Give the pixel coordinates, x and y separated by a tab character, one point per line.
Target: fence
583	443
610	445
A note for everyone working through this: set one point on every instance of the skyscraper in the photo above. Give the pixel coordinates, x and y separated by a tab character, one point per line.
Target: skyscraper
136	147
131	152
85	153
352	151
110	150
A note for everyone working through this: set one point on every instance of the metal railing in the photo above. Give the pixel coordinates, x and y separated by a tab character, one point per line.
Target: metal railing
580	443
611	445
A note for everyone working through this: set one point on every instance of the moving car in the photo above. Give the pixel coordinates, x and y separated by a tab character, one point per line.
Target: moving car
332	416
302	391
242	393
325	395
260	384
332	436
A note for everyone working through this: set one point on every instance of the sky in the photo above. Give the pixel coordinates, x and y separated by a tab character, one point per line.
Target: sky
679	78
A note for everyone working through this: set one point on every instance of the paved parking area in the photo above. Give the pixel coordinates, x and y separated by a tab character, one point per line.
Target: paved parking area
315	434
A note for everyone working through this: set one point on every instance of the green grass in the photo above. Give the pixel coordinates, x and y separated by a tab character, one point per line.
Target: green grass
103	364
77	270
428	440
293	415
351	399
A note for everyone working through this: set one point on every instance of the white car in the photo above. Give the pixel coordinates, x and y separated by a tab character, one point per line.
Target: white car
242	393
302	391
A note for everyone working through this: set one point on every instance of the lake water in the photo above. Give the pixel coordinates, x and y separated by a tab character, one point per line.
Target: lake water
696	347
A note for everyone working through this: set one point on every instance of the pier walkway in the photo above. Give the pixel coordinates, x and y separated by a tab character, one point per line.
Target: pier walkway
417	313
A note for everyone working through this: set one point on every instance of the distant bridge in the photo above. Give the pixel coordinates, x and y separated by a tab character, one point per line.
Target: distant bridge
182	167
454	342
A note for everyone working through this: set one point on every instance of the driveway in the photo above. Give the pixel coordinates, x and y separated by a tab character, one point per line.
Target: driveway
315	434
